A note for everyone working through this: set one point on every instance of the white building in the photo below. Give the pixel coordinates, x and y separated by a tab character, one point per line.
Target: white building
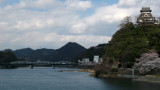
79	62
100	60
96	59
85	60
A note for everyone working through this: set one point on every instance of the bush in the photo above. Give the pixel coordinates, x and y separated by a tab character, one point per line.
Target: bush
100	69
111	61
97	73
114	70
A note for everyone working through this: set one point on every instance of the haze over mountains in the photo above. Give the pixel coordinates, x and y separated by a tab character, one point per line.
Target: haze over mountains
65	53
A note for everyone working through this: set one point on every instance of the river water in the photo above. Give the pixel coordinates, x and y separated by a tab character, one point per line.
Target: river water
51	79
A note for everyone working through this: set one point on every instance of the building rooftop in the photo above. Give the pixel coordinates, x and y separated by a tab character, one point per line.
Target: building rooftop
146	9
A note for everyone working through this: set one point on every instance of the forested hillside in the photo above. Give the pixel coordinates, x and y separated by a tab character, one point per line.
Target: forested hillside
131	41
128	44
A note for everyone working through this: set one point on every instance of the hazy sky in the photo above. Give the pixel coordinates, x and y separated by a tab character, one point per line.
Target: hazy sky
53	23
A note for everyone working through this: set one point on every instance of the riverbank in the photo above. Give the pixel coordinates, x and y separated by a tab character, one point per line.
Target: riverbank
127	73
79	70
91	71
146	78
86	70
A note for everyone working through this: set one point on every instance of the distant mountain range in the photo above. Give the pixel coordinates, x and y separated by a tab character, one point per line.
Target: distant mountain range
23	53
40	54
65	53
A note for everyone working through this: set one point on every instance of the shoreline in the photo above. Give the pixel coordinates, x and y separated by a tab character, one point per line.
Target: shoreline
147	78
152	79
91	71
79	70
143	80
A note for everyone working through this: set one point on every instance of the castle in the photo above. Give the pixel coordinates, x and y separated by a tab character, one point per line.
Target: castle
146	18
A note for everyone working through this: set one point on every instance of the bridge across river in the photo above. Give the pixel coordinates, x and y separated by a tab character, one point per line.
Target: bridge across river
38	64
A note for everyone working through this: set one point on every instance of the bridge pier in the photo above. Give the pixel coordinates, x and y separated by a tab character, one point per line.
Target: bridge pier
31	66
53	66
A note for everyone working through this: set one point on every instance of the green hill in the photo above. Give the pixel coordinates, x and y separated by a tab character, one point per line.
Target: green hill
7	57
129	43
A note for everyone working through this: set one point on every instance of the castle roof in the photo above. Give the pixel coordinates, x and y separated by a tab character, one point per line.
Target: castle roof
146	9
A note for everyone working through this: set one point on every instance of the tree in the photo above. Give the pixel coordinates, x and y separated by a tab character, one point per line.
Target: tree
158	20
7	57
126	20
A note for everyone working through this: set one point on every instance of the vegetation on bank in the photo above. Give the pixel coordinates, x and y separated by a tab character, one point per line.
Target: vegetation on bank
7	57
131	41
127	44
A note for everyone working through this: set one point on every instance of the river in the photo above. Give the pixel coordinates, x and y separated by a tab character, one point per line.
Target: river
46	78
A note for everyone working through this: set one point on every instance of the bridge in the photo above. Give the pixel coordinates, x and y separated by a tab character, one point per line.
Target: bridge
38	64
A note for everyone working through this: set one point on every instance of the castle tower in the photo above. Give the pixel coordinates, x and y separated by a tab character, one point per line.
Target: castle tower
146	18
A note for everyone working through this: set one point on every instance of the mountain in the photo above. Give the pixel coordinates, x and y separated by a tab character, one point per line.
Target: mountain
40	54
7	50
89	53
23	53
68	52
33	55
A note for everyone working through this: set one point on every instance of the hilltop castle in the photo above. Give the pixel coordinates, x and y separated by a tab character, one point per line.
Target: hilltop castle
146	18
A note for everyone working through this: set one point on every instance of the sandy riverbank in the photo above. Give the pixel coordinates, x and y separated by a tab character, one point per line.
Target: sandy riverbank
91	71
86	70
79	70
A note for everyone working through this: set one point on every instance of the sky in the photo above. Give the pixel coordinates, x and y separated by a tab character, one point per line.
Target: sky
53	23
